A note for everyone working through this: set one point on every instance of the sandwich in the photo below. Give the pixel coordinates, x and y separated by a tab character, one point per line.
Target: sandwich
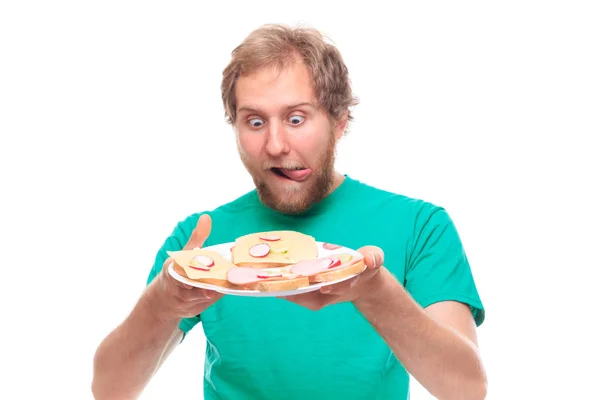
301	274
266	280
202	265
275	249
268	262
331	268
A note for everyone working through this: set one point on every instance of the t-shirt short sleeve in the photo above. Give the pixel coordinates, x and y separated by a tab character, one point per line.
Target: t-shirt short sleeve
438	268
175	242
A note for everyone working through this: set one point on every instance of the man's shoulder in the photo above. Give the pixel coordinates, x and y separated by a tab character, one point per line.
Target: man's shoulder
390	198
388	208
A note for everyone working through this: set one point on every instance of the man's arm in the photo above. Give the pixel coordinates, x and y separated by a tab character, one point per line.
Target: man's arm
130	355
437	346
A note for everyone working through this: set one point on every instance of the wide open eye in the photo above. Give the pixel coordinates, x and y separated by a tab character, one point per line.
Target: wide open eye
296	119
256	122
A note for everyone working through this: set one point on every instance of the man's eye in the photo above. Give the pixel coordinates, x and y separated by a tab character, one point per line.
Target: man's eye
296	119
256	122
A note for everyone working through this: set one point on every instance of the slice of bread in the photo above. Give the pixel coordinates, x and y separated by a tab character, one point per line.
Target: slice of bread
330	268
202	266
265	280
274	249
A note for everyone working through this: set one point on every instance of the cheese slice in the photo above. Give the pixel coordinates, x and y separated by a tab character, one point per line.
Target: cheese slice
216	273
273	249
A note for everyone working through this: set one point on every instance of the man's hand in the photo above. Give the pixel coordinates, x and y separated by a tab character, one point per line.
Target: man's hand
359	287
131	354
171	299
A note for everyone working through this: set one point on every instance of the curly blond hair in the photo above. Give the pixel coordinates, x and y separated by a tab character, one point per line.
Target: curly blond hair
280	45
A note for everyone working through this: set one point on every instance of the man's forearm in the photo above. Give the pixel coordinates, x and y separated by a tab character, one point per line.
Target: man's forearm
444	362
128	357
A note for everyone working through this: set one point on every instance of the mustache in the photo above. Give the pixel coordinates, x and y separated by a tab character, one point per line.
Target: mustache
284	165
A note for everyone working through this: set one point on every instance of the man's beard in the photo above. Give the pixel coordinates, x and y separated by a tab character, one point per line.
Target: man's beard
295	200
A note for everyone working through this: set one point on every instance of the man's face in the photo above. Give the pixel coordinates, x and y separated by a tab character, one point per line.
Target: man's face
286	142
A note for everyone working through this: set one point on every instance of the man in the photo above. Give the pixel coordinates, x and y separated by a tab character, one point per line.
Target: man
413	311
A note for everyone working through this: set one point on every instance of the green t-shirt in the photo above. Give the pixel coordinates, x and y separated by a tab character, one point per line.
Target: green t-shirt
270	348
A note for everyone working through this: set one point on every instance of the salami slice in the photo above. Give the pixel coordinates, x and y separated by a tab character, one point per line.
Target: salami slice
242	276
311	267
263	275
331	246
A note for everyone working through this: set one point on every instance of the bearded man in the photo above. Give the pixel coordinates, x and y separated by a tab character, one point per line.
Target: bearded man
287	95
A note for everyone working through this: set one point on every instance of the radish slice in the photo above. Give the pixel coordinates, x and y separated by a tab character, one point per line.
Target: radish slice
326	263
201	261
200	268
269	238
259	250
330	262
330	246
335	262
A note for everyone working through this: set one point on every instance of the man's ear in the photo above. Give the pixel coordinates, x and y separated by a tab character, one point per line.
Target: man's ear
340	125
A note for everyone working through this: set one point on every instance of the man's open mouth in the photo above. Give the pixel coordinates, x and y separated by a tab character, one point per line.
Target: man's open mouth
297	174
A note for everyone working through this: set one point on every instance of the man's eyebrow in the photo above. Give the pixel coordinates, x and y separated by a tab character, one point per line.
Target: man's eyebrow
304	103
256	109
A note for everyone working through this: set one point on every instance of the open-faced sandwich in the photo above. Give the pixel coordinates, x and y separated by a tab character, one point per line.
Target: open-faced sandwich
266	280
301	274
331	268
269	262
202	265
273	249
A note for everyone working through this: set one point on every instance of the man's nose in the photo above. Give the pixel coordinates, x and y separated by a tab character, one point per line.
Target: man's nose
277	140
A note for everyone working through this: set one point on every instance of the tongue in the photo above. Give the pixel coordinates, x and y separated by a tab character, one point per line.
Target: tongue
296	175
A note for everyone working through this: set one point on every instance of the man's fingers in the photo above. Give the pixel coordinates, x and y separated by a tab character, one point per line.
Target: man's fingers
313	301
340	288
197	239
195	294
373	256
181	284
200	233
168	276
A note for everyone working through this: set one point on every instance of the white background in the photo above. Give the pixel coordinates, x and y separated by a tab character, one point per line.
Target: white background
112	131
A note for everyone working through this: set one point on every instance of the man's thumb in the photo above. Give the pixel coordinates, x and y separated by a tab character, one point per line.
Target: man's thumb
200	233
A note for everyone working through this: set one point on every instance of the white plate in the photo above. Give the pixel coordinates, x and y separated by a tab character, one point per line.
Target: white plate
224	250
